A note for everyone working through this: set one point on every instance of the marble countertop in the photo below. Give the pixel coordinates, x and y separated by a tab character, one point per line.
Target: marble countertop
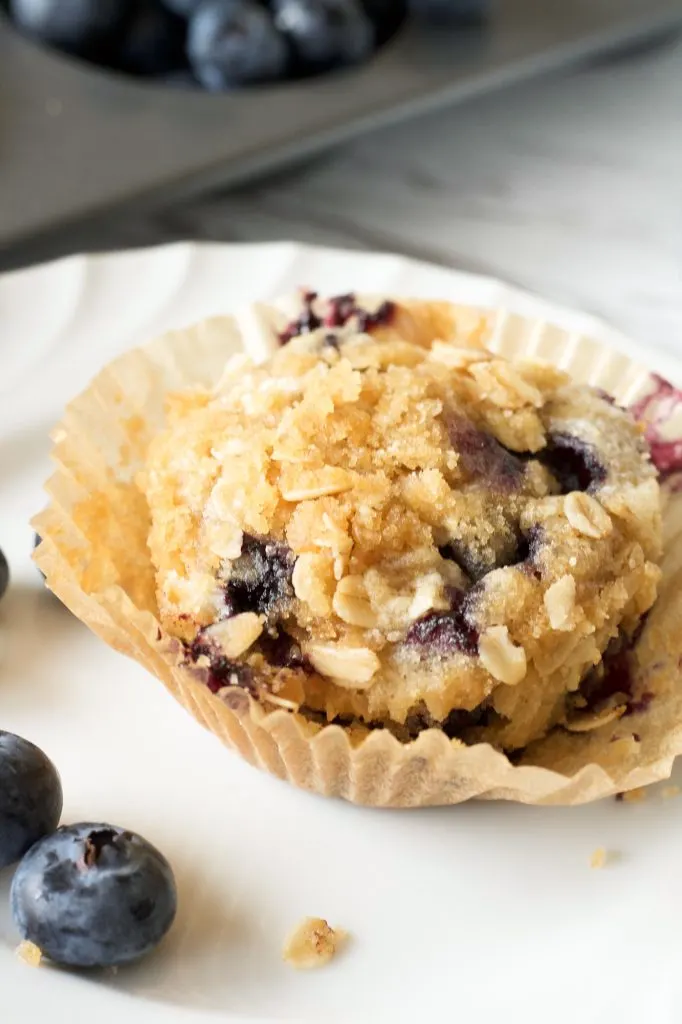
569	186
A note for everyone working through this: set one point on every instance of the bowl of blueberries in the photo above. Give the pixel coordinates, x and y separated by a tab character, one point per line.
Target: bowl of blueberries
222	45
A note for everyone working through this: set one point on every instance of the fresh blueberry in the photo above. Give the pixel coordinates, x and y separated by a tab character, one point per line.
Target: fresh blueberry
80	26
183	8
325	33
386	15
93	896
234	42
30	797
451	12
4	574
154	41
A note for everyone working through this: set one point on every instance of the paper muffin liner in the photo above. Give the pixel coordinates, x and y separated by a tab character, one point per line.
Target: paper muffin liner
95	558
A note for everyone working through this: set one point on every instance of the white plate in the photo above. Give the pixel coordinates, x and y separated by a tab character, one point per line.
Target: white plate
477	913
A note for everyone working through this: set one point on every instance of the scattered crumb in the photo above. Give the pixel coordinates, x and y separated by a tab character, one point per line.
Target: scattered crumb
670	791
312	944
29	953
599	858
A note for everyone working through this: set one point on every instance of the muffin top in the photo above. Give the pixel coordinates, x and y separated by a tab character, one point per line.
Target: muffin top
402	528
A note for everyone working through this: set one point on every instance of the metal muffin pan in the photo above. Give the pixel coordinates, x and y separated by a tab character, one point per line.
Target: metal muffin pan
77	142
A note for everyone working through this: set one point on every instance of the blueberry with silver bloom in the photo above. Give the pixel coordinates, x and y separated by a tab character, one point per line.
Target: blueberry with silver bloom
30	797
80	26
93	895
325	33
231	43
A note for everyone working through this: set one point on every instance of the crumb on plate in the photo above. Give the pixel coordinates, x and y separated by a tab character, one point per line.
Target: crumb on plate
29	953
313	943
670	791
599	858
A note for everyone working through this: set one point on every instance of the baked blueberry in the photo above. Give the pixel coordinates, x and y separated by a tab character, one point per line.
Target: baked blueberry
30	797
482	455
93	896
85	27
380	317
260	579
476	559
222	671
573	463
444	633
334	313
654	411
325	33
282	651
234	42
307	321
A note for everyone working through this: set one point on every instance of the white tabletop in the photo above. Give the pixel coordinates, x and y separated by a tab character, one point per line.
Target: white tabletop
570	186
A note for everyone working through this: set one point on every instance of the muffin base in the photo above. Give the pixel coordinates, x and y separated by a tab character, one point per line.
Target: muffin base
95	558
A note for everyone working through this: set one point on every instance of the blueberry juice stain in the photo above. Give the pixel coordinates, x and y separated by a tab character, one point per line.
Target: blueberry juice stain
334	313
655	411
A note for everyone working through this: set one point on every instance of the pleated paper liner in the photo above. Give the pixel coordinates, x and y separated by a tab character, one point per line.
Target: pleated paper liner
95	558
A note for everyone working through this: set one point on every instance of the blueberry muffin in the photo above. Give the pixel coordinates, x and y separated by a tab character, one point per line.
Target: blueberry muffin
388	526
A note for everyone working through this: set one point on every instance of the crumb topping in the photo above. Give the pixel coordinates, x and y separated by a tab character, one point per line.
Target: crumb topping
402	526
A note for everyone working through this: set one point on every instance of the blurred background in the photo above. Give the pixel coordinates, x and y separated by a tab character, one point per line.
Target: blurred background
534	140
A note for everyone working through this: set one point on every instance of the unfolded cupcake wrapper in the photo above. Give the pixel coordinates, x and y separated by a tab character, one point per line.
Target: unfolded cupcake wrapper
95	558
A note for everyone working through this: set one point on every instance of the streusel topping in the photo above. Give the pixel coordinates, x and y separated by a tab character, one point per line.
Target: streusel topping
403	529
